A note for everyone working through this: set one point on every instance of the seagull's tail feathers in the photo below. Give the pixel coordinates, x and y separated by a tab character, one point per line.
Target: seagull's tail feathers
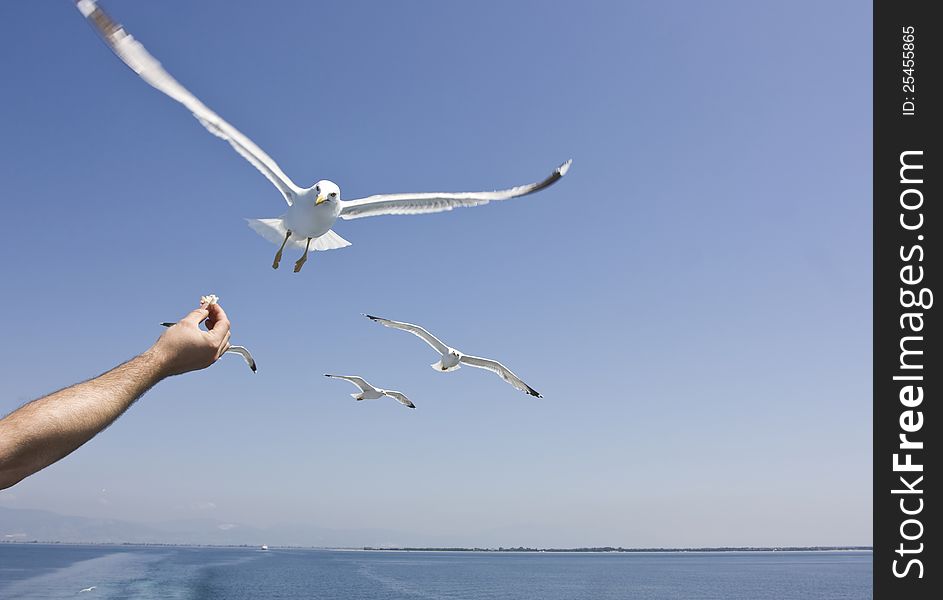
438	367
274	231
329	241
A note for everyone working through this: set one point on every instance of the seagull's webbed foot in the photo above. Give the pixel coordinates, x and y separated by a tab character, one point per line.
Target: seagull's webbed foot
304	257
278	255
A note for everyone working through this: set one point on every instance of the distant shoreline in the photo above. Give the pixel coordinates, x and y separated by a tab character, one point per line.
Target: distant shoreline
500	549
620	550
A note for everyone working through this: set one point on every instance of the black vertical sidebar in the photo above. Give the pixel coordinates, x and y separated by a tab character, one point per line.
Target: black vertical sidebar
908	375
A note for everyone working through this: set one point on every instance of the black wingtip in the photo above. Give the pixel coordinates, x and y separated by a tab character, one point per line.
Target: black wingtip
254	368
371	317
167	324
534	392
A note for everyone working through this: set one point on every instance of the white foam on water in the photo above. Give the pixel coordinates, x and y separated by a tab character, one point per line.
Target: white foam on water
107	573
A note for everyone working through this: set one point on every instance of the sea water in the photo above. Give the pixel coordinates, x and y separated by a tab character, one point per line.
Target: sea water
62	571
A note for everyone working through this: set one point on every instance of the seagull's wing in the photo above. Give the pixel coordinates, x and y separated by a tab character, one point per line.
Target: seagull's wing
431	202
400	397
415	330
504	372
358	381
244	353
141	62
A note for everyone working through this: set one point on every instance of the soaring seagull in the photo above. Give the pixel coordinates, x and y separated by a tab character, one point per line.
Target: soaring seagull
452	359
368	392
312	211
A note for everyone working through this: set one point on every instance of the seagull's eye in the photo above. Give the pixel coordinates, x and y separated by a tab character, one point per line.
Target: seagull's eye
317	190
333	194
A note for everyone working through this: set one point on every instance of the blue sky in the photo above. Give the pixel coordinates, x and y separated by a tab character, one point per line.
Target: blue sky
693	299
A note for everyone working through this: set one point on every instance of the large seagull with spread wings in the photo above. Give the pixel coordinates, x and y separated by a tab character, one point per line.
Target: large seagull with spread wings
312	211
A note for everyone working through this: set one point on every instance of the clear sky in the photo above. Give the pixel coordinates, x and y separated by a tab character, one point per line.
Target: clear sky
693	299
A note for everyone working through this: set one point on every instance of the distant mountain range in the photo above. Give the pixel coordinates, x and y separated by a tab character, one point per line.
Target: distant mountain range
27	525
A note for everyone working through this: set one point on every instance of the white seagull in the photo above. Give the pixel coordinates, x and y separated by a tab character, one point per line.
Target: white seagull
452	359
312	211
368	392
88	589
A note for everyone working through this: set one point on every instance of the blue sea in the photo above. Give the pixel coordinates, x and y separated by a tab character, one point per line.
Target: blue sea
62	571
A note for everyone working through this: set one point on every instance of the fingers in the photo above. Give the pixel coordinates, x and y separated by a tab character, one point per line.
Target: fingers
224	346
217	323
194	347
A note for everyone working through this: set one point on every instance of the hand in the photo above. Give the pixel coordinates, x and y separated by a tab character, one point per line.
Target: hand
185	347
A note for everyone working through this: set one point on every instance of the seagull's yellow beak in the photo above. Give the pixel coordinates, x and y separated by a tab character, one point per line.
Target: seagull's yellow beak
320	200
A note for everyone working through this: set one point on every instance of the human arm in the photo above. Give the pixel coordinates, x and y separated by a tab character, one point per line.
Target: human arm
47	429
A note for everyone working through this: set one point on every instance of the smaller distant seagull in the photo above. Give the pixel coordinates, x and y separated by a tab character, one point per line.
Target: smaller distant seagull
452	359
88	589
368	392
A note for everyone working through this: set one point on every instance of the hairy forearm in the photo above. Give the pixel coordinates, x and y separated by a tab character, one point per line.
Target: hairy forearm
45	430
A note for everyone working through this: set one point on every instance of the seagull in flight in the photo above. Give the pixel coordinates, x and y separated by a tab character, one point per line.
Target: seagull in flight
312	211
88	589
452	359
368	392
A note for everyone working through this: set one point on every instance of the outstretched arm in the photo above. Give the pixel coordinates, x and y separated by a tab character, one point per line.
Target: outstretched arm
48	429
